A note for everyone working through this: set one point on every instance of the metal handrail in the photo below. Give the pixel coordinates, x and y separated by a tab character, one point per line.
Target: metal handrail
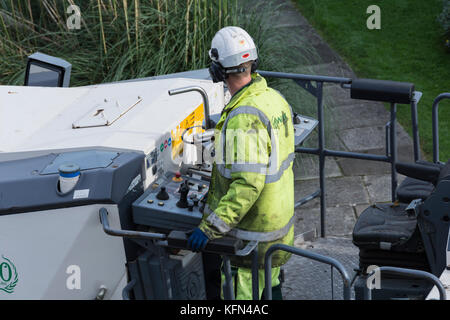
204	97
250	248
306	254
304	81
103	213
435	124
412	273
304	77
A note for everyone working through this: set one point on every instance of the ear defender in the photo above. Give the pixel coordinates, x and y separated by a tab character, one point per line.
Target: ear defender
217	72
255	65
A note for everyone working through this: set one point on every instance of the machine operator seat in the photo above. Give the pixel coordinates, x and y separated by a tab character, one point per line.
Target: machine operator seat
411	188
389	235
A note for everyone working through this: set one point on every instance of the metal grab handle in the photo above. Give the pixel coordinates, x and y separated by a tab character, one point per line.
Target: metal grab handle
413	273
250	248
126	291
205	100
435	124
103	213
307	254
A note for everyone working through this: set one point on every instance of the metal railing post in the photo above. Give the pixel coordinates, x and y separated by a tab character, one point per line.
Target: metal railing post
435	124
228	288
306	254
393	147
415	125
321	159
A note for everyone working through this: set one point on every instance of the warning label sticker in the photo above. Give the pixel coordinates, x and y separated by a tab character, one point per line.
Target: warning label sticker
193	122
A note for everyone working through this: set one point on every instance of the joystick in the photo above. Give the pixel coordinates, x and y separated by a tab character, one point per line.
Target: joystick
184	190
162	194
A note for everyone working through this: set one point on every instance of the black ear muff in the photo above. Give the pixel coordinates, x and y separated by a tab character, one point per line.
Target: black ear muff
217	72
255	65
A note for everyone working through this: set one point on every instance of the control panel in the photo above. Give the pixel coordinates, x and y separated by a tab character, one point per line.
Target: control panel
172	202
303	127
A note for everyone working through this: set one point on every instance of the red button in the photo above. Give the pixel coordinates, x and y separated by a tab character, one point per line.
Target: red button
177	175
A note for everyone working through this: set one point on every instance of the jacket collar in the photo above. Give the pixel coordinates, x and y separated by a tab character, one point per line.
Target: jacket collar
257	83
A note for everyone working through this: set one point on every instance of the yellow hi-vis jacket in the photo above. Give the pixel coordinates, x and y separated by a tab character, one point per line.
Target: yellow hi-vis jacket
251	194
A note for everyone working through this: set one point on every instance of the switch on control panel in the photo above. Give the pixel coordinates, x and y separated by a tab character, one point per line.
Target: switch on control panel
173	202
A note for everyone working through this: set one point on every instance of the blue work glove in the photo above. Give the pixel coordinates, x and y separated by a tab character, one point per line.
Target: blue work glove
198	240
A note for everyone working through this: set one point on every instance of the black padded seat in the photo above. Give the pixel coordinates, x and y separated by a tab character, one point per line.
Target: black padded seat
411	189
387	236
383	226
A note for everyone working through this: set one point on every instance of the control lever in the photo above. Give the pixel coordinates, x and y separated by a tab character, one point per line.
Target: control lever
162	194
184	190
296	119
203	203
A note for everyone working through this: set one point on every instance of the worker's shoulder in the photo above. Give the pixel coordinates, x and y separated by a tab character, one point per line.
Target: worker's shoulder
266	95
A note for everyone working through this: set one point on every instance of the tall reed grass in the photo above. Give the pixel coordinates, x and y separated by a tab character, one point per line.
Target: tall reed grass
118	39
125	39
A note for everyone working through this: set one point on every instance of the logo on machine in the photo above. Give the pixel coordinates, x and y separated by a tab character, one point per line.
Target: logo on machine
8	275
165	144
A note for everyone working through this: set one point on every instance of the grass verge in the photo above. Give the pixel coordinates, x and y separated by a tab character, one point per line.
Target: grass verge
408	47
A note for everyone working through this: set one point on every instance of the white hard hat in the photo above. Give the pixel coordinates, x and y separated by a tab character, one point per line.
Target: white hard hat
232	46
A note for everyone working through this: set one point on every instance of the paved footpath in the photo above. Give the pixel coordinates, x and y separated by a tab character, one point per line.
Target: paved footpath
352	185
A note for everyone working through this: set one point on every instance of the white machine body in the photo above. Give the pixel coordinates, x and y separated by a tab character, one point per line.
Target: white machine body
139	116
64	253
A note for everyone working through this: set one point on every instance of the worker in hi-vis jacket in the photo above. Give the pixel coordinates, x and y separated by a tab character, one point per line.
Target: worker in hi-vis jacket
251	195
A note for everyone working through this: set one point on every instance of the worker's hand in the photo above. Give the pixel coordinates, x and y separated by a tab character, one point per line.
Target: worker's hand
198	240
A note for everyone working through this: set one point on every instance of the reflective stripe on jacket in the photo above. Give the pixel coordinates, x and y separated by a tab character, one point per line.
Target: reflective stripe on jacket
251	194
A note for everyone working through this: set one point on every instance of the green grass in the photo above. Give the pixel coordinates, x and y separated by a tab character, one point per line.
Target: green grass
409	47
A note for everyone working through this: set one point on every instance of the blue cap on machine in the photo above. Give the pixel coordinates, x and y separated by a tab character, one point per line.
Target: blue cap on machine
69	170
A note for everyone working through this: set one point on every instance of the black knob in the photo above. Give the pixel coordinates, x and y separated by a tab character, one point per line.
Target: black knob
190	206
162	194
184	190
